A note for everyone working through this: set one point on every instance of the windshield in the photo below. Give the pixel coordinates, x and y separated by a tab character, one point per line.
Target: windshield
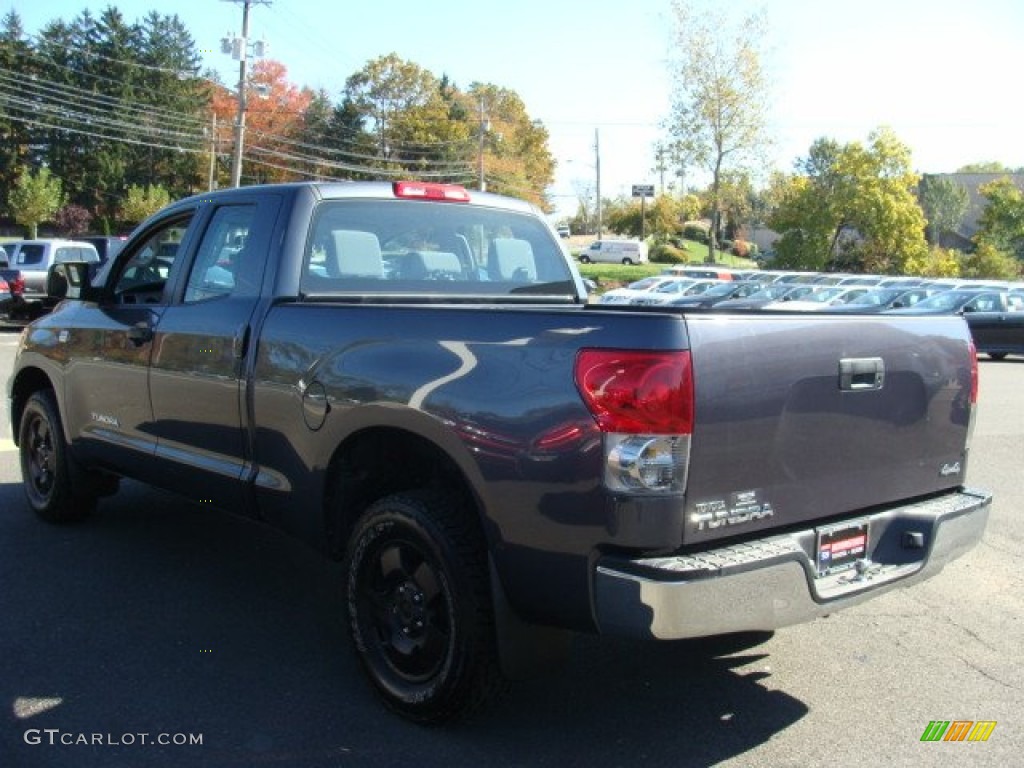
402	247
876	298
770	292
947	300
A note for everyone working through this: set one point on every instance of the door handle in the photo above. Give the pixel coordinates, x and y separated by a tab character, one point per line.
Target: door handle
863	373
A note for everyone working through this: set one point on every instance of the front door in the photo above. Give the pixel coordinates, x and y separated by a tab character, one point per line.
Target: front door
108	347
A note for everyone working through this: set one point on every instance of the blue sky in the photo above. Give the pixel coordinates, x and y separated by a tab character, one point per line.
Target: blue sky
946	76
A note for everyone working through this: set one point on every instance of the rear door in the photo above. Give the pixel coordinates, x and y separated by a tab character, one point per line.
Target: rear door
197	375
992	326
802	418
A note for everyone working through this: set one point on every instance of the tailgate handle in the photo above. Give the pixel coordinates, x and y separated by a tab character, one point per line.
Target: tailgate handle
861	373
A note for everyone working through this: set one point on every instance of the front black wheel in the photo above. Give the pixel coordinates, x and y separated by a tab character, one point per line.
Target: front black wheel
420	609
44	463
997	355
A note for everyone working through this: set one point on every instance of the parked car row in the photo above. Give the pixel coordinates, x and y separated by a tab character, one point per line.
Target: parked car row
994	310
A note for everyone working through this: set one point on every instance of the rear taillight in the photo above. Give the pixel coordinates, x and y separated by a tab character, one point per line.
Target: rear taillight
4	286
643	403
425	190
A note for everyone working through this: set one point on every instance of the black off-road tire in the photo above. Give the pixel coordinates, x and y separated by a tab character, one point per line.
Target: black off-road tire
45	470
419	607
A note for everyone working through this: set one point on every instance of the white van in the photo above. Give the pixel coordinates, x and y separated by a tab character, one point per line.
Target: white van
615	252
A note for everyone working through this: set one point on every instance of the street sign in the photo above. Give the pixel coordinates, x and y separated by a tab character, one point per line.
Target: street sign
643	190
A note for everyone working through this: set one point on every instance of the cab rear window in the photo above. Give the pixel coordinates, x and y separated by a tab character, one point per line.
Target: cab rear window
415	247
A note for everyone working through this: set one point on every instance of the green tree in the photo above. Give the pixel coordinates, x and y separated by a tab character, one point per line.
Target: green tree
851	207
944	203
1001	225
34	199
985	167
15	137
718	95
394	96
936	262
516	158
140	203
990	263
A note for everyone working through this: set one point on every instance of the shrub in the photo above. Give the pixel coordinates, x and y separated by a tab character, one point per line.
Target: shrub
663	253
695	232
741	248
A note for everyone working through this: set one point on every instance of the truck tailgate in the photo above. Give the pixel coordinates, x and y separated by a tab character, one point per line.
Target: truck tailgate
803	418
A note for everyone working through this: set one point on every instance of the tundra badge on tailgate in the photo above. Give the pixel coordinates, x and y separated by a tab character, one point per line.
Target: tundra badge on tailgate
741	507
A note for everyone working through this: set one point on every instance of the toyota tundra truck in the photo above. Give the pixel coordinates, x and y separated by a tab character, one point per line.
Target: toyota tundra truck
409	377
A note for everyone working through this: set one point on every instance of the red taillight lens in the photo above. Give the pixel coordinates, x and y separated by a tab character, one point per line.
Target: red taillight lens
451	193
631	392
4	287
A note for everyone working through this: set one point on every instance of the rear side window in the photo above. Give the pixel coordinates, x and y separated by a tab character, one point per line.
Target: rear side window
75	253
411	247
225	265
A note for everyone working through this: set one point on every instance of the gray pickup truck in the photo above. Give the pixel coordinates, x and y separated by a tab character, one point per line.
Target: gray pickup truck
409	377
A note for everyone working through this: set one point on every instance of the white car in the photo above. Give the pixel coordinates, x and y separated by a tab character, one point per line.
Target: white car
636	288
821	299
673	289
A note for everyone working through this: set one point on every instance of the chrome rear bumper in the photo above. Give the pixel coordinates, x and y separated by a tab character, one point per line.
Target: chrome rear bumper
773	582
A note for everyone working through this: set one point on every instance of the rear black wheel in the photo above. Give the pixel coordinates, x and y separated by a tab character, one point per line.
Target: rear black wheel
627	261
419	607
997	355
44	463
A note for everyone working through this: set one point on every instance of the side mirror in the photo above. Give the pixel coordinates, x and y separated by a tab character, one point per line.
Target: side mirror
898	305
966	309
70	280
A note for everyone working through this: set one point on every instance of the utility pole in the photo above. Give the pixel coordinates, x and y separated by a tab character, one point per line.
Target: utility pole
213	153
238	47
482	183
597	167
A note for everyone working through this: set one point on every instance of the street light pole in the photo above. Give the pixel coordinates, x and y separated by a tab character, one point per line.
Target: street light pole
236	158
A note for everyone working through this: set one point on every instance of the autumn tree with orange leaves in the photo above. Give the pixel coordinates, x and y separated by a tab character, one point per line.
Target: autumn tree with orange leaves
273	122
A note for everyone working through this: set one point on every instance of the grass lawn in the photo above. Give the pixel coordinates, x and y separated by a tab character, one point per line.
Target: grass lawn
608	276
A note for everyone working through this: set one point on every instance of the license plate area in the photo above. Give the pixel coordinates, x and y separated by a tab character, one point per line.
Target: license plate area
839	547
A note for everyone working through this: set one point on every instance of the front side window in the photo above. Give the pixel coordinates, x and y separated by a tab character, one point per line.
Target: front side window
143	277
412	247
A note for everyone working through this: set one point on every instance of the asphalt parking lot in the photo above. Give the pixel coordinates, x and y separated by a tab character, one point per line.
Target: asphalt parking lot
162	620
